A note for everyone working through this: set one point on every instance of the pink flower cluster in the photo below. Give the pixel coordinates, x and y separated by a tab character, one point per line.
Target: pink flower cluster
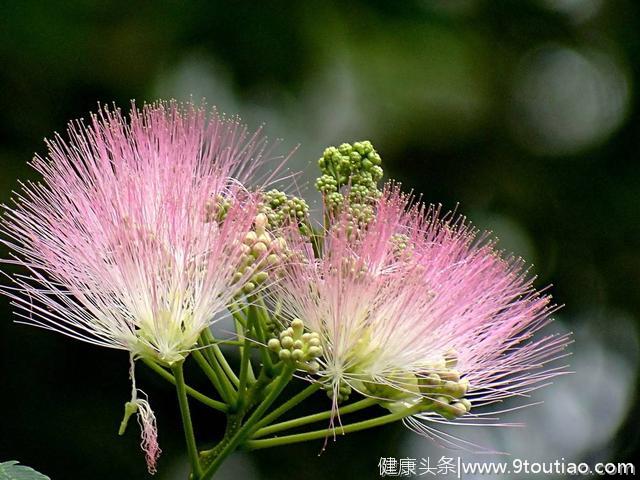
142	230
133	237
419	307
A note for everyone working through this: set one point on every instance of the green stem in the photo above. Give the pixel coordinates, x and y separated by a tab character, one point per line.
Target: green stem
196	395
245	372
260	334
212	343
244	432
192	449
316	417
288	405
225	365
206	351
238	317
353	427
217	377
234	343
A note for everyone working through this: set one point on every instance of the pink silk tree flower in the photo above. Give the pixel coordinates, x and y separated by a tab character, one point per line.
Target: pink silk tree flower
417	309
133	238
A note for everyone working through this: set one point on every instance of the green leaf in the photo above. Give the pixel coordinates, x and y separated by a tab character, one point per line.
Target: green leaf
12	471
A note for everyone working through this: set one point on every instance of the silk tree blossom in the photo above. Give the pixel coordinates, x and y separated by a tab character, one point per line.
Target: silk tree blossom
133	237
419	309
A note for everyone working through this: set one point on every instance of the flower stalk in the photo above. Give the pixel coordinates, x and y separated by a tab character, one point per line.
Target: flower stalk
242	433
324	433
316	417
196	395
183	401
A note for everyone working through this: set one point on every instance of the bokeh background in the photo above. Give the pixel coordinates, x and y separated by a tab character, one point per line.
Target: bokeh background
526	114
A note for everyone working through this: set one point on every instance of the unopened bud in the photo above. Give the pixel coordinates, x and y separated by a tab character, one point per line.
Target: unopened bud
452	375
259	249
315	351
250	238
298	326
284	354
261	221
260	277
274	345
451	359
286	342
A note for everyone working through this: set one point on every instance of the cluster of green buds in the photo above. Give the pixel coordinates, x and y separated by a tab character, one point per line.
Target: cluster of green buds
281	208
439	389
216	209
354	166
444	390
341	393
260	251
298	347
400	246
398	391
446	395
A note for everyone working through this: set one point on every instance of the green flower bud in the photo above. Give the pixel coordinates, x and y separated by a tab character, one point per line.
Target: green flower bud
250	238
260	277
259	249
298	326
284	354
315	351
286	342
452	375
274	345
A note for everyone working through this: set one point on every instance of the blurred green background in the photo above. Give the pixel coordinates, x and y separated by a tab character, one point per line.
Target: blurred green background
525	113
